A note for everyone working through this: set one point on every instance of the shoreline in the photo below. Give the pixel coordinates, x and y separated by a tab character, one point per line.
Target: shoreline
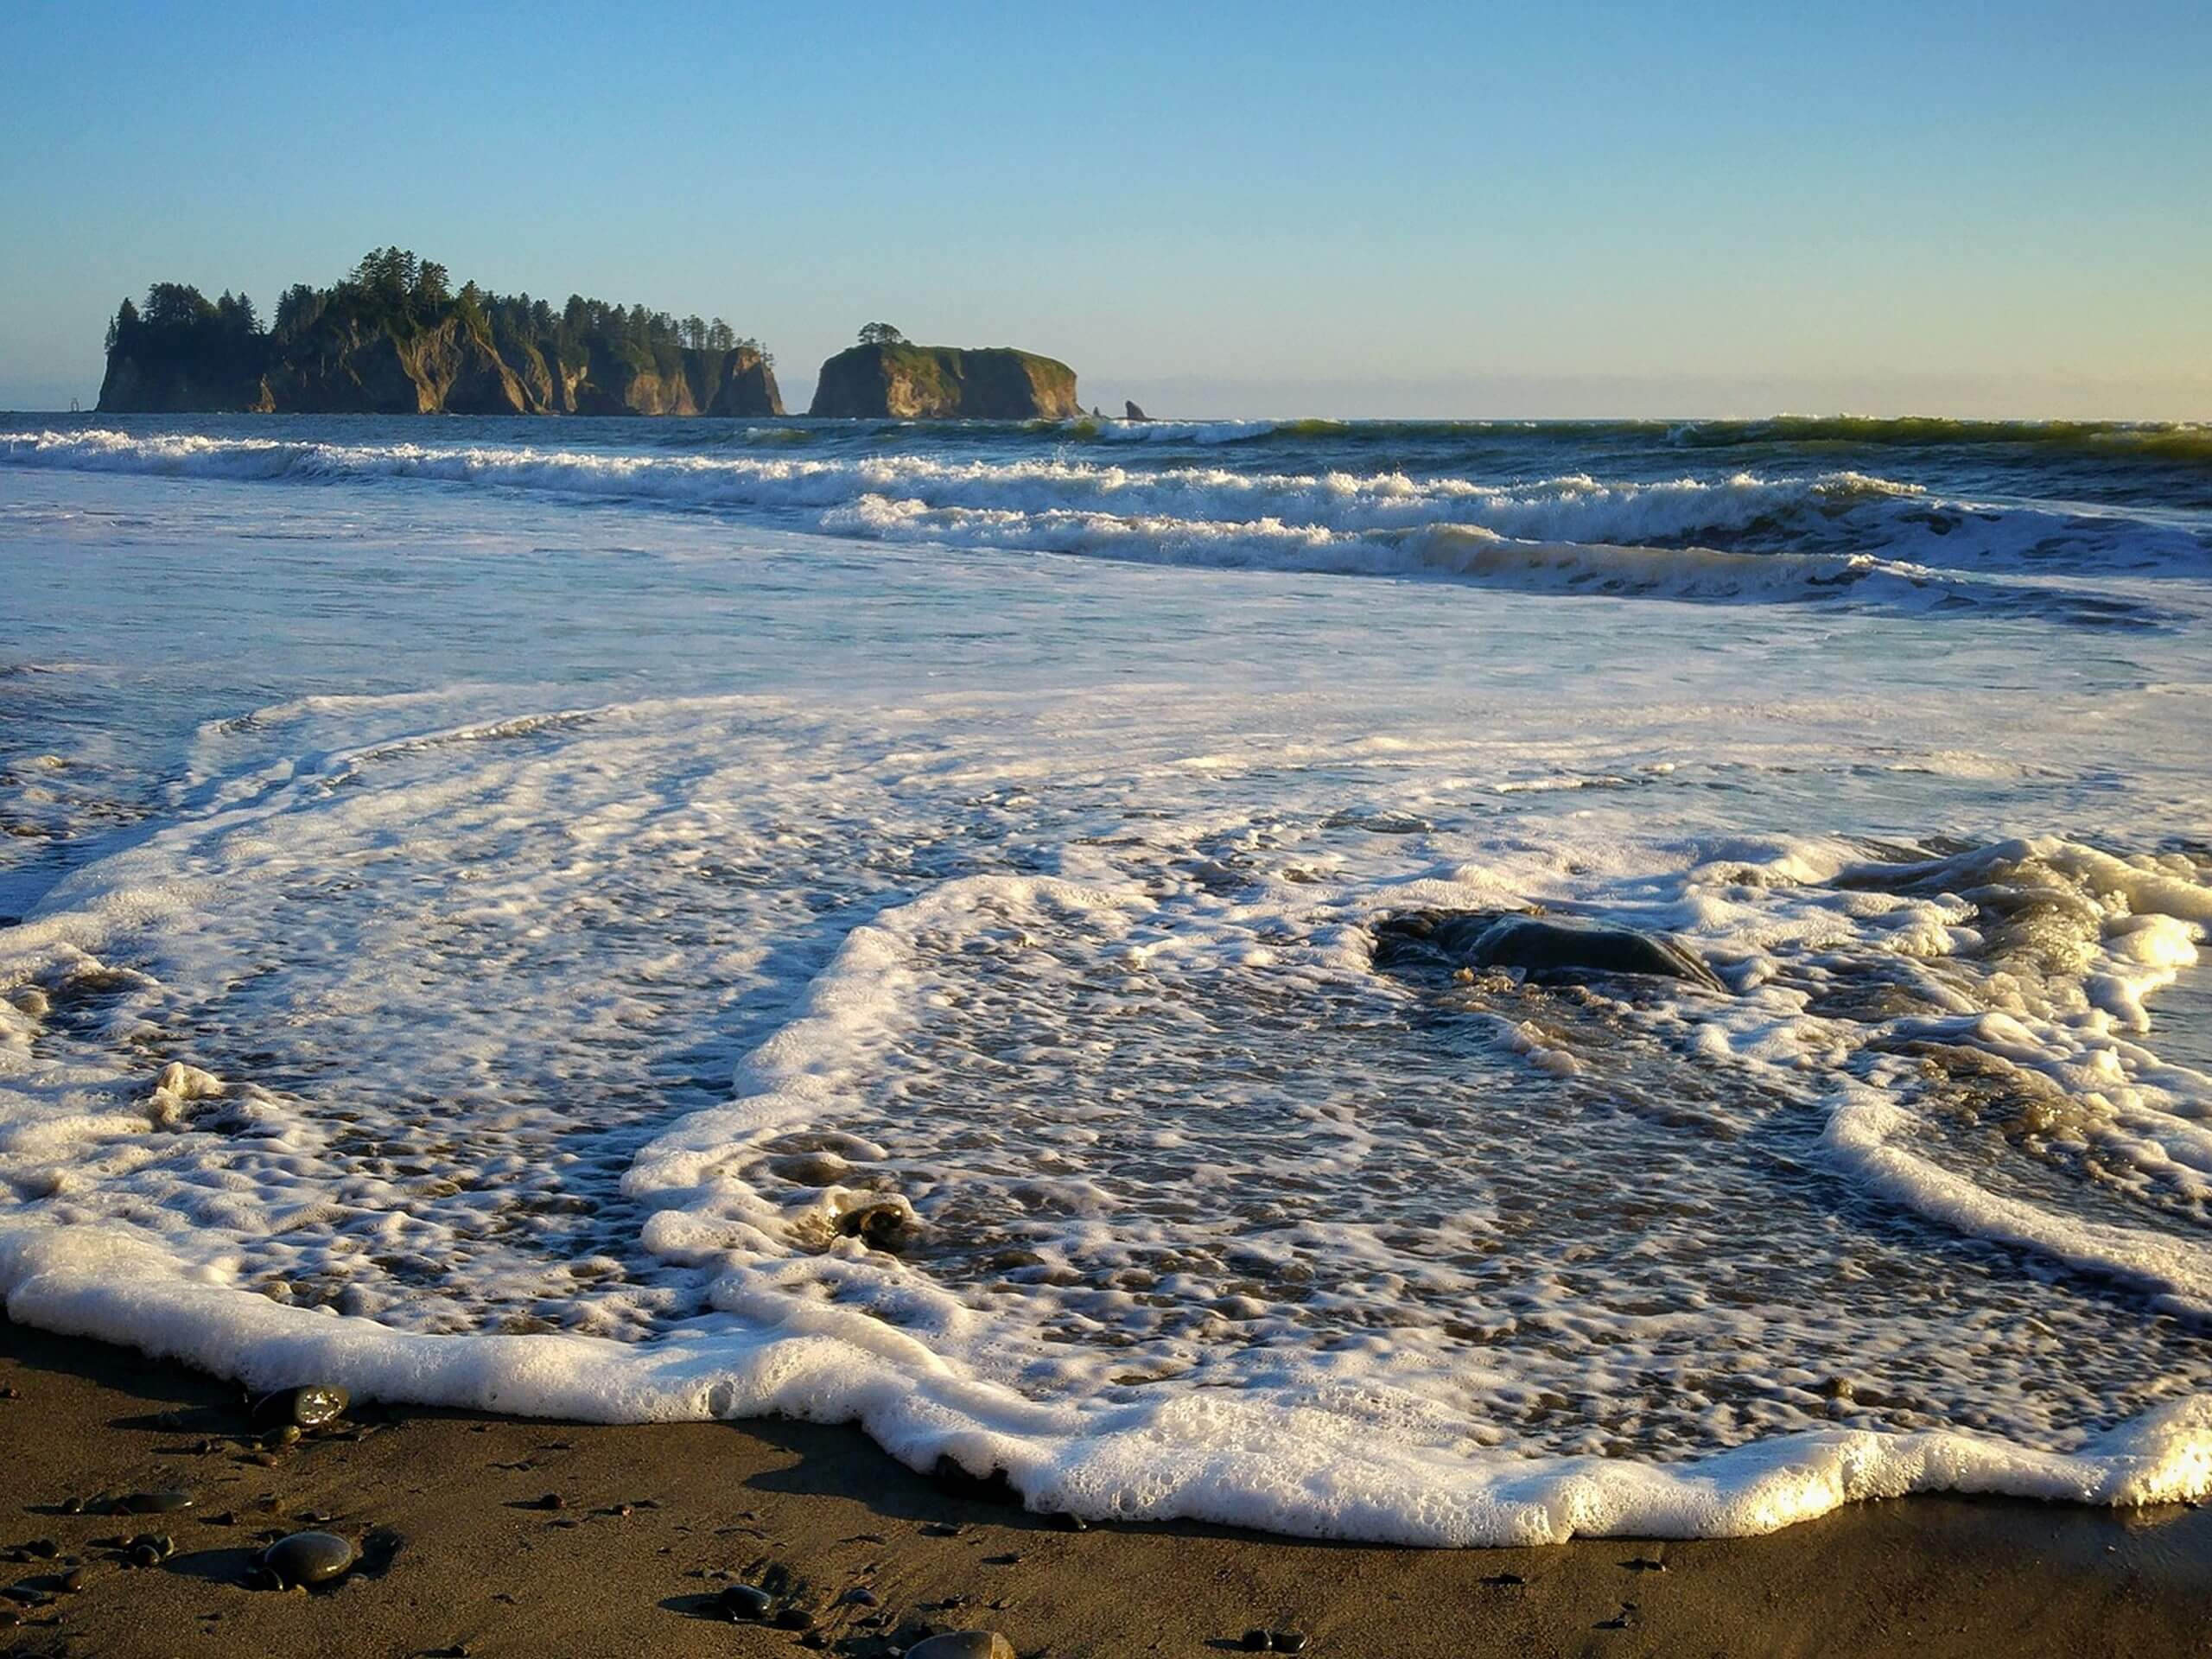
464	1554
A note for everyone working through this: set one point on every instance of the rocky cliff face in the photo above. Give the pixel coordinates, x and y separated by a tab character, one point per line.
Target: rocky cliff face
450	369
903	382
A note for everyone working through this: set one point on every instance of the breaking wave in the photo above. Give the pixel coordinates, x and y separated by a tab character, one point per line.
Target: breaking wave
1744	535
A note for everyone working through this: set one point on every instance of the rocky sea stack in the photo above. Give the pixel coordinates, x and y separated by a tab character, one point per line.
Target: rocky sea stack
393	338
897	380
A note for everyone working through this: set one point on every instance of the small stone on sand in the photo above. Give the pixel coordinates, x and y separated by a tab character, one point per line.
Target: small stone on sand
305	1558
743	1601
963	1644
157	1503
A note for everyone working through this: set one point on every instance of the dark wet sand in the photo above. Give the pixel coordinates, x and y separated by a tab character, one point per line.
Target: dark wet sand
467	1559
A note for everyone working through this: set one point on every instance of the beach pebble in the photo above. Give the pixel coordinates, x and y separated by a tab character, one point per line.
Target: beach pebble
1288	1641
1258	1641
305	1558
158	1503
794	1619
144	1555
308	1407
744	1602
74	1579
962	1644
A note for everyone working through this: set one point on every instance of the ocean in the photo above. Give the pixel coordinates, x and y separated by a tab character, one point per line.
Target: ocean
636	920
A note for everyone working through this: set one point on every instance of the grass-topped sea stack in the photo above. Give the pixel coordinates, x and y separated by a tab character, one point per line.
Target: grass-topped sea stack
889	377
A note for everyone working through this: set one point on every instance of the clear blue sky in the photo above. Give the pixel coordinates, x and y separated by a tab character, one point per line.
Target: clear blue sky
1272	208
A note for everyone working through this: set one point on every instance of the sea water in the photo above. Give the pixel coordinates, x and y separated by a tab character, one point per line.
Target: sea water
488	907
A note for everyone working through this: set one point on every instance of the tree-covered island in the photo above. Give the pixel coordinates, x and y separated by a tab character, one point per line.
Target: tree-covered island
394	336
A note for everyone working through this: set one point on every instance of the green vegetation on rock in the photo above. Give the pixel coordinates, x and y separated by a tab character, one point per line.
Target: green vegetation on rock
892	378
394	336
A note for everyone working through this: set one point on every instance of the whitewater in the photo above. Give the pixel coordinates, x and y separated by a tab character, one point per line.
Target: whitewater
646	920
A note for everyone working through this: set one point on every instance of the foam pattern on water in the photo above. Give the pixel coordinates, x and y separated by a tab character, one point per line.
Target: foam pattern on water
402	1053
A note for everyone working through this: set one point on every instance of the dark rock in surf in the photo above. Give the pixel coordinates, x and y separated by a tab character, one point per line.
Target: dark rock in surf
1538	945
889	1226
314	1406
1131	412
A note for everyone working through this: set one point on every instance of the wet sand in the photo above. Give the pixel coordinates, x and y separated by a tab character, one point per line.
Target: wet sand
465	1553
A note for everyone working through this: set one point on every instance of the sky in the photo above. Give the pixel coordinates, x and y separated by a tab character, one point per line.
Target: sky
1217	210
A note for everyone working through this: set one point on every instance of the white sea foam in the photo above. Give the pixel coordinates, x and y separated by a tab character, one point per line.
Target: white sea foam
362	1064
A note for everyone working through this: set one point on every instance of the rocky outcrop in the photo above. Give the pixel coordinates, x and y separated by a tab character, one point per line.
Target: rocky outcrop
451	368
924	383
133	387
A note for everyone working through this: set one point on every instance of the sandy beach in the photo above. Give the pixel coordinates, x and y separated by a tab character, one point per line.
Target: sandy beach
464	1552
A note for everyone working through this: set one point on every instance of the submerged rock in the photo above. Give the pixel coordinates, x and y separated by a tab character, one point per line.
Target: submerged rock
963	1644
1450	939
308	1557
